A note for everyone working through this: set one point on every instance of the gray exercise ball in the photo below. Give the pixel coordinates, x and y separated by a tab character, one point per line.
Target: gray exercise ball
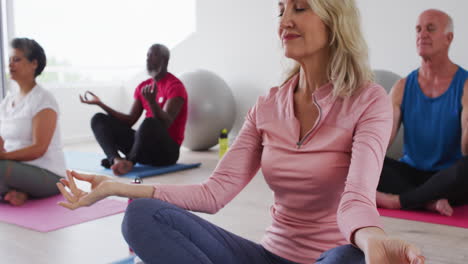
387	79
211	108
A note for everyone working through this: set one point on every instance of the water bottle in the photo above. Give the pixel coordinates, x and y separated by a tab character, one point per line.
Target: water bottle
223	143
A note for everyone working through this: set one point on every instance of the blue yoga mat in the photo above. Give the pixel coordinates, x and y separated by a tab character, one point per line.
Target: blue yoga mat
90	162
129	260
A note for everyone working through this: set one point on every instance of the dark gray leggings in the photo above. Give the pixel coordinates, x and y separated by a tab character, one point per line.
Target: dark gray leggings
35	181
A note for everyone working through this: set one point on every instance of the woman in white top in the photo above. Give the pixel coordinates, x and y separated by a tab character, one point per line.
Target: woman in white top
31	155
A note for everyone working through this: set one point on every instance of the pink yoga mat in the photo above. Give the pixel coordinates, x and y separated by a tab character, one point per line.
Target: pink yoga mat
45	215
459	217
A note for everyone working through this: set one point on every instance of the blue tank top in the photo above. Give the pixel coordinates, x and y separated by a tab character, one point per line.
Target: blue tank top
432	128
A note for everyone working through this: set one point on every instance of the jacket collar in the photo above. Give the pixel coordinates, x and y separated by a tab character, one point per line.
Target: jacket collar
323	95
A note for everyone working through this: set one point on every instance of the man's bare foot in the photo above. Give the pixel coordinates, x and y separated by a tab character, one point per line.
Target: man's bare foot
441	206
16	198
389	201
121	166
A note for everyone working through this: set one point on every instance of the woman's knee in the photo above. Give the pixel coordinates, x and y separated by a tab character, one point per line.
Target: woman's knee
140	215
342	254
6	169
140	208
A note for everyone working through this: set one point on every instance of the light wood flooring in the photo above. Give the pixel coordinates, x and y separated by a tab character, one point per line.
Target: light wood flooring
100	241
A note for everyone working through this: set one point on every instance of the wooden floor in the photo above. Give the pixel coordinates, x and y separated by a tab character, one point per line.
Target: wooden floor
100	241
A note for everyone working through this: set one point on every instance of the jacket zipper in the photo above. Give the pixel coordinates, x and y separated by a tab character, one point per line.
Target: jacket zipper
299	144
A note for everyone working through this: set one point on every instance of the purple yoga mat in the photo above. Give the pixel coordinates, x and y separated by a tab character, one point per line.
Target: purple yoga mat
458	219
45	215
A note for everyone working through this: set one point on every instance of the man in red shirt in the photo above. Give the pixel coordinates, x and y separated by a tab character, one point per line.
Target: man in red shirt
157	141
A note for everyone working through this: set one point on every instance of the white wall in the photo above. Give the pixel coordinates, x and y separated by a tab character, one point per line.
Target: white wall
75	117
237	40
389	27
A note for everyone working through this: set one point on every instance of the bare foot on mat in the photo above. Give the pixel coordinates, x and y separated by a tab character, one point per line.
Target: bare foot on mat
121	166
441	206
16	198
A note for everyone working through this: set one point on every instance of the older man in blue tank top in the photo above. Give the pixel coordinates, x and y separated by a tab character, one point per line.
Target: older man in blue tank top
432	104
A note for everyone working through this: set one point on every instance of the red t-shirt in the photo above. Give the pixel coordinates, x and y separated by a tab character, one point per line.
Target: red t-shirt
168	87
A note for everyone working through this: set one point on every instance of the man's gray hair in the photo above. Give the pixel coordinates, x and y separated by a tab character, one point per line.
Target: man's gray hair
449	28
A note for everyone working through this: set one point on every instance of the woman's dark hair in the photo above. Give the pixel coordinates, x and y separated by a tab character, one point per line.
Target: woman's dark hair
33	52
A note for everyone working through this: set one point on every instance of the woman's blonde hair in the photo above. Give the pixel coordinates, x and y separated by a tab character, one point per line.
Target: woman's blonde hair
349	61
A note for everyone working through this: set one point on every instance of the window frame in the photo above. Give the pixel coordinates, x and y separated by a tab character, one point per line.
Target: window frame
6	35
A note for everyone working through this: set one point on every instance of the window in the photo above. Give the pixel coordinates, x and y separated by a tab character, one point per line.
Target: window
89	42
3	37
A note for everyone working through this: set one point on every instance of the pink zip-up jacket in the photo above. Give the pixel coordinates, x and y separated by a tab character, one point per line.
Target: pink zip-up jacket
324	184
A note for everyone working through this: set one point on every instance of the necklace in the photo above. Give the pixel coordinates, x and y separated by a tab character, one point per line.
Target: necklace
16	100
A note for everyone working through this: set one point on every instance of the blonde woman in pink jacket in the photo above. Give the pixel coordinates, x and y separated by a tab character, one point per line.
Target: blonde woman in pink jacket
320	140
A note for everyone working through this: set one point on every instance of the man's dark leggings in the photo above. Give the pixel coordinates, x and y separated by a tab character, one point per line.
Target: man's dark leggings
151	144
418	188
